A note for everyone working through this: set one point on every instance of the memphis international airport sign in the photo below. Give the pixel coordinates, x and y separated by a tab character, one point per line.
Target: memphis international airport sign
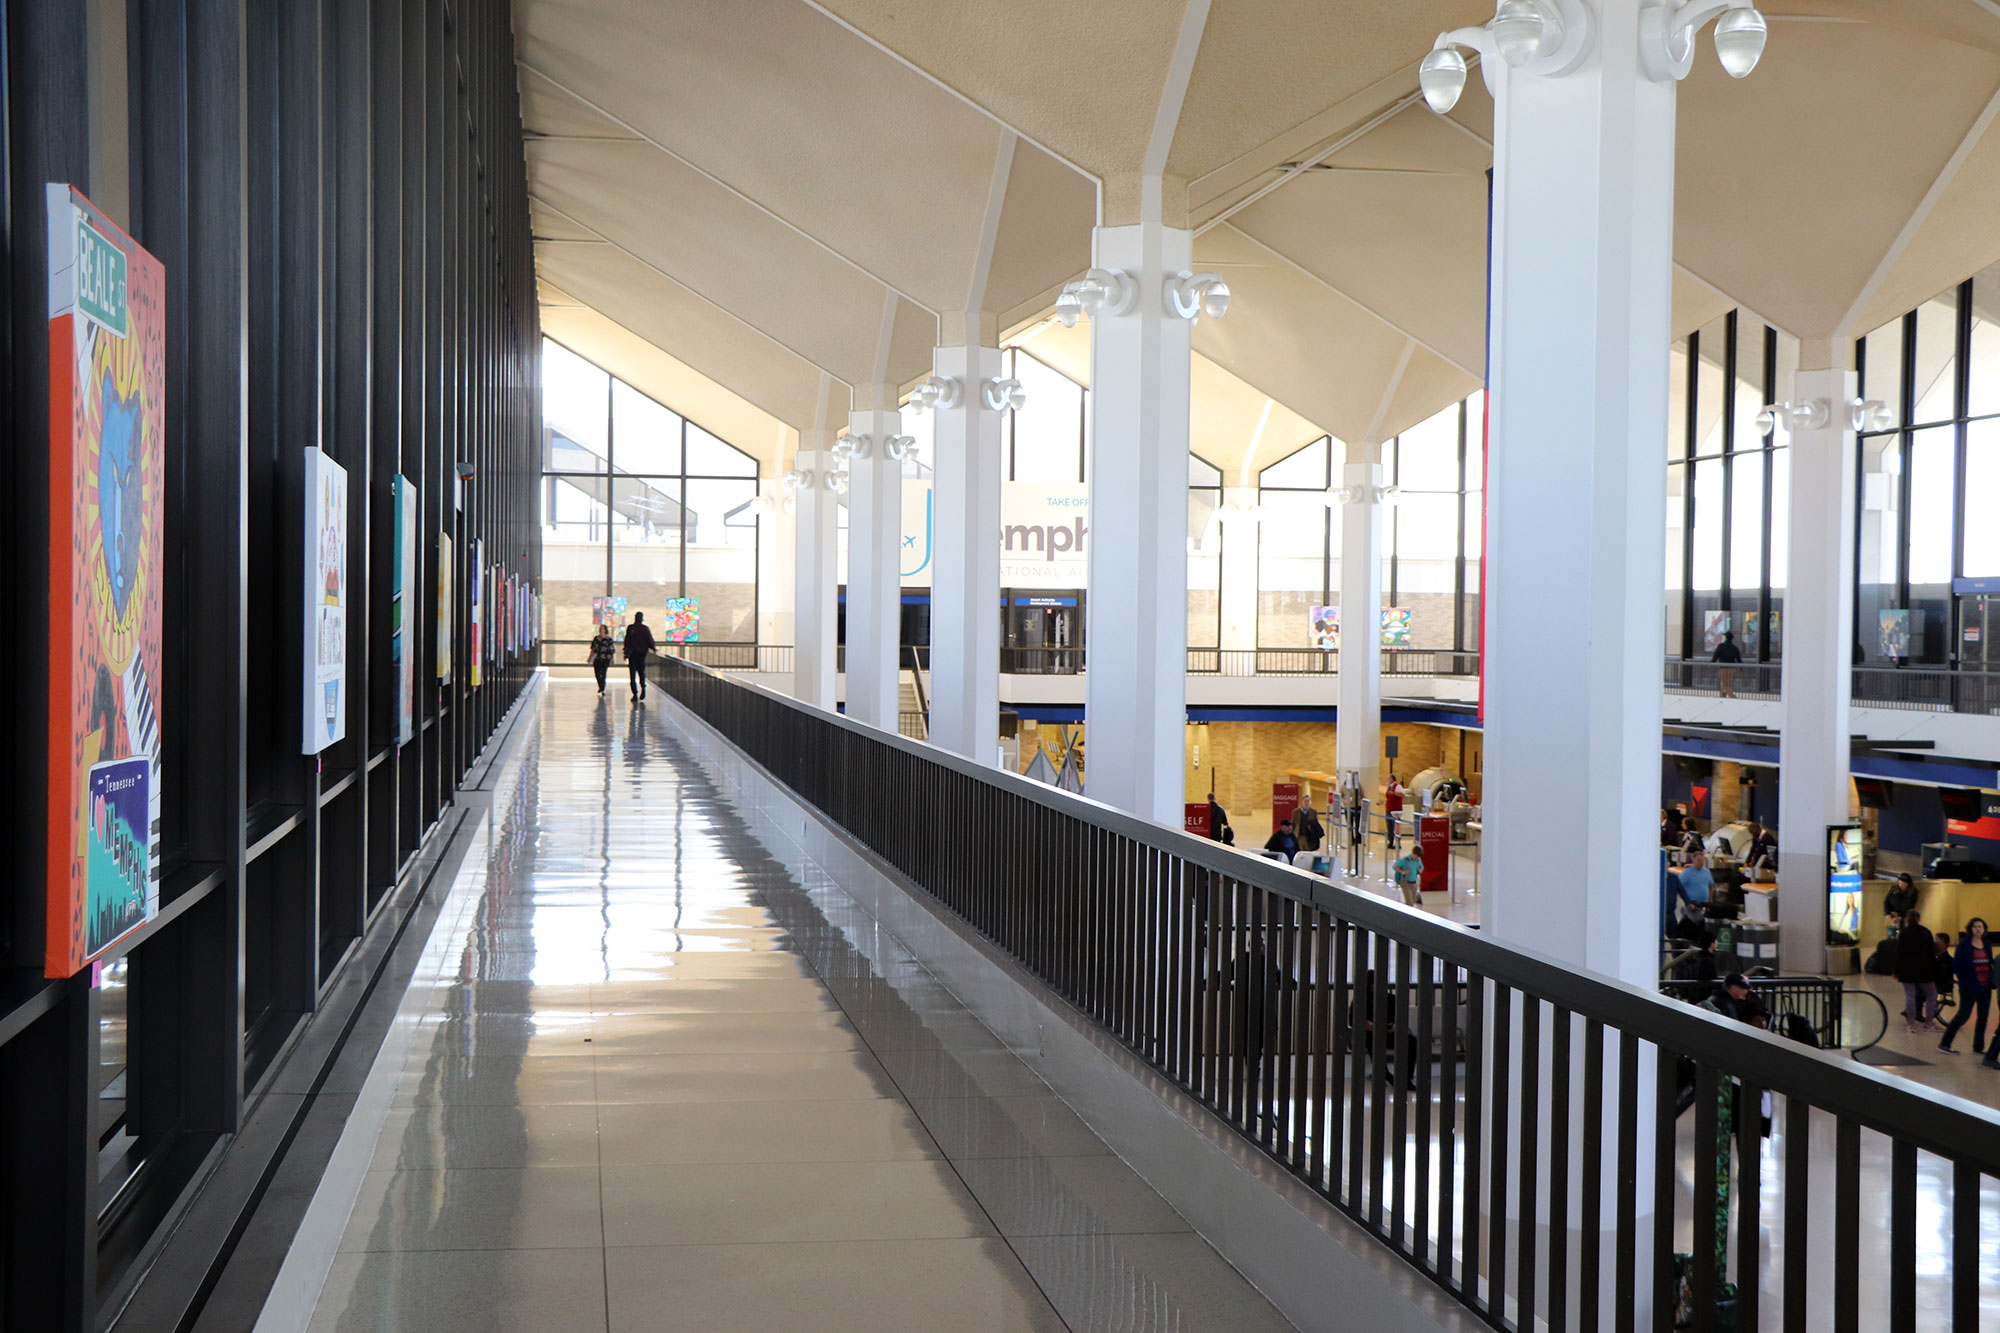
107	520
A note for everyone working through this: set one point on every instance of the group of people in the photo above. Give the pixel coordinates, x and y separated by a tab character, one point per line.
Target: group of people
1931	967
638	647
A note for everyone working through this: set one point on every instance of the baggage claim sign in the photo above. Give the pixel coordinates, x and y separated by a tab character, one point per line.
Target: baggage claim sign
1044	532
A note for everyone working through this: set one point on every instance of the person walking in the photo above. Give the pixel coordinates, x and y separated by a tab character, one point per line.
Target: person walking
638	647
1409	873
1392	806
1727	656
602	648
1218	819
1282	842
1973	964
1916	970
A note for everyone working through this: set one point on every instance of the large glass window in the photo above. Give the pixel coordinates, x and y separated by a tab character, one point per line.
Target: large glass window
1423	533
1728	493
639	503
1204	553
1298	544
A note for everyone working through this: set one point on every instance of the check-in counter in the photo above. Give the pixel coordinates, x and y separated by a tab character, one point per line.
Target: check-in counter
1944	904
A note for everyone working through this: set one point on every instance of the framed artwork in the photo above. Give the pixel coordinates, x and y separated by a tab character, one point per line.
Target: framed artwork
1714	624
1895	633
325	602
683	622
107	535
444	609
403	611
1323	628
1395	627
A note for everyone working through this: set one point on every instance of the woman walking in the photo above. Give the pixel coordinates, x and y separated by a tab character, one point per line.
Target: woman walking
1974	965
1918	973
602	648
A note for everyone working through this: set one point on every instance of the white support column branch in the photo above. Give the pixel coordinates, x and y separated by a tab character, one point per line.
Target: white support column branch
1135	706
815	516
1817	672
874	566
1357	741
965	590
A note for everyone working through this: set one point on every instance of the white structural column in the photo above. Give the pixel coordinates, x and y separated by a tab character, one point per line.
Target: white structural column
1357	742
1817	671
965	587
1581	288
874	563
777	566
1135	698
815	516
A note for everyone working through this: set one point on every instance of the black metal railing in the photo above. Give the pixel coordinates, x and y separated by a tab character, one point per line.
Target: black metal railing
1741	680
1928	689
1508	1125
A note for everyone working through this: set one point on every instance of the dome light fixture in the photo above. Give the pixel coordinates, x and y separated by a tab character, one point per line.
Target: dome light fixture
1793	417
1003	395
1069	307
849	447
1107	291
1667	31
1442	77
1739	41
1517	29
1869	415
899	447
939	391
1192	295
837	482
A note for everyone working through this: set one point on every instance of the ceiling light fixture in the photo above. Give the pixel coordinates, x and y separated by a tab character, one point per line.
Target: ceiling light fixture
1667	31
899	447
1518	29
837	482
1069	307
1793	417
939	391
1003	395
849	447
1442	77
1192	295
1868	415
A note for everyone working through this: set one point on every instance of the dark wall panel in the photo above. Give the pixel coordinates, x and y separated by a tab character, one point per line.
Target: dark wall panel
338	193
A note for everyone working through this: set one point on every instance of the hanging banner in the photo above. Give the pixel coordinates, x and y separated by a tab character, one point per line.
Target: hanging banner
403	611
1194	818
325	673
444	609
107	531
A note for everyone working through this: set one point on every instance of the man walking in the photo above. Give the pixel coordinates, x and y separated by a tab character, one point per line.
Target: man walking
1727	656
1409	872
638	646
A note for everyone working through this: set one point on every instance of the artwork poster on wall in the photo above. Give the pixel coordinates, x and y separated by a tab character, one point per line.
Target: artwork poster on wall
477	645
107	521
403	611
1323	628
325	672
444	609
1395	627
683	623
1714	624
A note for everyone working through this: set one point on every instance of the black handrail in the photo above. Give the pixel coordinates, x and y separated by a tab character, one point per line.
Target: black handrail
1258	988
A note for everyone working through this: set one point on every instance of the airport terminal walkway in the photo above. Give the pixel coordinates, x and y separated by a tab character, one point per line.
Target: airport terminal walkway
653	1085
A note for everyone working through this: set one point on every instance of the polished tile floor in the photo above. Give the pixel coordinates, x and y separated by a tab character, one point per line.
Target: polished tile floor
663	1089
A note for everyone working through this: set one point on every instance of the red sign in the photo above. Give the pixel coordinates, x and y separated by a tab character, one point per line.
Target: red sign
1196	816
1284	802
1434	845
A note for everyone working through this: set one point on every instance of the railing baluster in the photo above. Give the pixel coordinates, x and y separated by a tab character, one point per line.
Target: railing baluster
1499	1072
1406	1058
1420	1223
1559	1157
1526	1159
1964	1247
1378	1078
1325	1042
1625	1290
1265	1061
1283	976
1902	1237
1847	1226
1447	1157
1357	1071
1475	1100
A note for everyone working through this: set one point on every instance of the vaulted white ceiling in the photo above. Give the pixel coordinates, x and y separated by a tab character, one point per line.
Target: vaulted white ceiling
743	200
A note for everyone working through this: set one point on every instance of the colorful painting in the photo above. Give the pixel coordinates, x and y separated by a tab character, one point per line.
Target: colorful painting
1324	628
402	611
1714	624
444	609
1395	627
325	602
477	644
683	622
1895	631
107	521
